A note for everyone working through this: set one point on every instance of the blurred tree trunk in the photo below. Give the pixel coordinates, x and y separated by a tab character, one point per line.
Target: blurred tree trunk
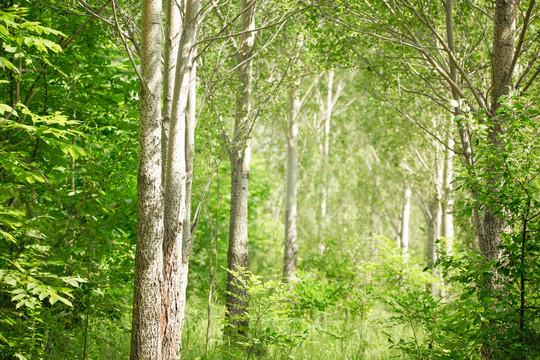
433	210
405	215
448	202
448	196
290	245
328	110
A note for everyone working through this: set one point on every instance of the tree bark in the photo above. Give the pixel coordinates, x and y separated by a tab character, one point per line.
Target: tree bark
145	340
490	238
237	255
291	245
172	41
165	166
174	266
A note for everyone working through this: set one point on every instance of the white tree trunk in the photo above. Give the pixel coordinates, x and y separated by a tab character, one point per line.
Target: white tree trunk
326	149
434	233
237	255
448	195
434	218
291	245
190	155
145	340
405	216
172	40
174	269
448	204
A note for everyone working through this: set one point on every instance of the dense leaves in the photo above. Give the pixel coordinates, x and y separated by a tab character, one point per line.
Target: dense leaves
68	176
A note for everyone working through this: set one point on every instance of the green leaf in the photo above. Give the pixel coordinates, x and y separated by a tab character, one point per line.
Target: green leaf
53	298
4	107
71	281
10	280
18	297
4	31
8	236
5	63
31	286
43	295
3	339
65	301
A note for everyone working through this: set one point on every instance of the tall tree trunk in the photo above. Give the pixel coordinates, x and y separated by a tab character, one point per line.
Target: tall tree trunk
326	151
448	204
493	225
187	240
490	238
434	233
489	226
237	256
448	196
172	41
145	340
174	268
290	245
405	215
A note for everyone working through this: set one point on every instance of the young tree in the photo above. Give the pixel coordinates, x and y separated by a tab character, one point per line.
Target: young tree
405	216
291	233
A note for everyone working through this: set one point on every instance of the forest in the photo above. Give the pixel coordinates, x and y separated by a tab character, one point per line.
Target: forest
269	179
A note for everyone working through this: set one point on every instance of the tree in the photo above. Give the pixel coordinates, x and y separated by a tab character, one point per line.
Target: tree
290	247
237	255
164	227
423	36
411	25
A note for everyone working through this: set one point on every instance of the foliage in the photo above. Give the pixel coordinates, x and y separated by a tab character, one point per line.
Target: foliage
270	324
65	222
68	173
